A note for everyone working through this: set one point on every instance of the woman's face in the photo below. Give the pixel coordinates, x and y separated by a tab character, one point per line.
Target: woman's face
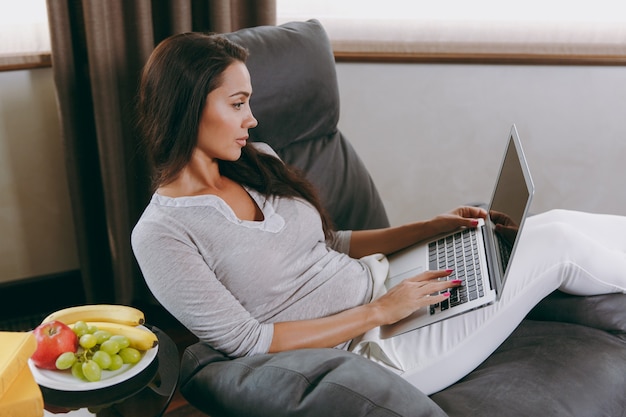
227	116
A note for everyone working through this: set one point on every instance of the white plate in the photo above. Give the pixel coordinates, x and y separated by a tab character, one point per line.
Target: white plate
65	381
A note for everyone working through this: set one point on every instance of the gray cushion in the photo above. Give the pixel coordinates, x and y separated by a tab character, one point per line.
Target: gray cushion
545	369
309	382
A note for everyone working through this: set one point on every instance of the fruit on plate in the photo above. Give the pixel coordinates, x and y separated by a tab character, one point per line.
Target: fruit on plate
113	313
139	338
104	349
105	338
53	339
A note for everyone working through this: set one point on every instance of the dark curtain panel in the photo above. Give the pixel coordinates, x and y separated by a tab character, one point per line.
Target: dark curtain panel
98	50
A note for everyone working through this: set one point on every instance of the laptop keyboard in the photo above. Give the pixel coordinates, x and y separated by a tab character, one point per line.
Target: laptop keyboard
458	252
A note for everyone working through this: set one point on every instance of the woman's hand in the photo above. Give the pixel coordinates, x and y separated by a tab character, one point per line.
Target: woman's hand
464	216
412	294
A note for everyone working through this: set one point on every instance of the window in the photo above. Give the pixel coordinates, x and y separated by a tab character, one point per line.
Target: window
24	35
543	31
559	31
451	10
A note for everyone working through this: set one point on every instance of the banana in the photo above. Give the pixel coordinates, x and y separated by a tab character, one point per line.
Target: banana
140	338
99	312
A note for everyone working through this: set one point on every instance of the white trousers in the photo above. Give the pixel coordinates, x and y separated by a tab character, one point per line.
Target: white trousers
578	253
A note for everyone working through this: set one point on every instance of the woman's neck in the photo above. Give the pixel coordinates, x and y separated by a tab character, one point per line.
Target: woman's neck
198	177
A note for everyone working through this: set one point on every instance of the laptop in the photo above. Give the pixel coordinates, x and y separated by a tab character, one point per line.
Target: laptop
479	256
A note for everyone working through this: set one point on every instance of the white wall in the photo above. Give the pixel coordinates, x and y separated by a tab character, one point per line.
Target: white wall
433	135
36	229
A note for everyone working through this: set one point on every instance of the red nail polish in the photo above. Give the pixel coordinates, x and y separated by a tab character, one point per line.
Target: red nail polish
449	271
456	281
446	294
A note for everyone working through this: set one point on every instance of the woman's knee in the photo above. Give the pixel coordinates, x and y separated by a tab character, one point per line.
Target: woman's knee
552	233
554	215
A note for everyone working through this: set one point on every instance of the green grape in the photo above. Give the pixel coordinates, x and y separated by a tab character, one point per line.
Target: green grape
77	370
80	328
65	360
102	336
88	340
122	340
116	362
130	355
110	346
102	358
91	329
92	371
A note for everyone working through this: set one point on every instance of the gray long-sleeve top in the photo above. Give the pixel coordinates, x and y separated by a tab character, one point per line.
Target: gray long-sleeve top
228	280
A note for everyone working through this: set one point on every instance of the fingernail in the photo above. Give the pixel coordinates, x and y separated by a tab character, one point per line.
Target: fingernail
474	222
446	294
449	271
456	281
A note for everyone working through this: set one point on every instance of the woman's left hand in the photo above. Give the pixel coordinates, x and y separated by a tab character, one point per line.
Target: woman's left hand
465	216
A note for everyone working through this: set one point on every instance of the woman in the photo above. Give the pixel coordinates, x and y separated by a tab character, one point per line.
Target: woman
238	248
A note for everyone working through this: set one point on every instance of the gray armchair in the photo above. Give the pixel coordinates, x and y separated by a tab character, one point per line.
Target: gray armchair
567	358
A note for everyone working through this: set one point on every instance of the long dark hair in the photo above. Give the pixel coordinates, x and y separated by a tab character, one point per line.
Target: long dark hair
180	73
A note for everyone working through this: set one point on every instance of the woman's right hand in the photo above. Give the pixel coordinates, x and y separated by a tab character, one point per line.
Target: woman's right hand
412	294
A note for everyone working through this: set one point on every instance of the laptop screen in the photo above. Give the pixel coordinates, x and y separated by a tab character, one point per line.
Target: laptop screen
509	205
